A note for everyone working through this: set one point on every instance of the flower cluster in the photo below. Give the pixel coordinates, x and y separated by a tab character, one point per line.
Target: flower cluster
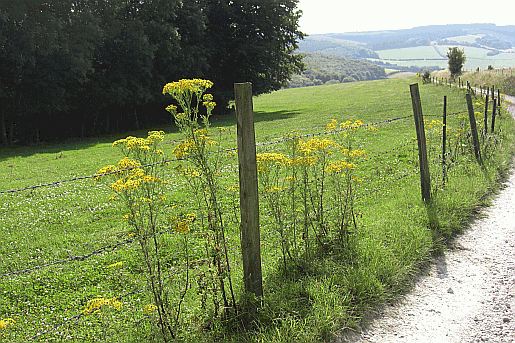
149	309
94	305
313	144
115	265
187	86
267	161
192	145
338	166
4	323
353	153
133	180
183	225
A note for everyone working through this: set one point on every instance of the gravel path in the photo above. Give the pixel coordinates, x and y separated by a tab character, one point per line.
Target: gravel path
467	295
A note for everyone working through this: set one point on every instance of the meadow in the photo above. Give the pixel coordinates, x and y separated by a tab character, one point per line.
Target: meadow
81	249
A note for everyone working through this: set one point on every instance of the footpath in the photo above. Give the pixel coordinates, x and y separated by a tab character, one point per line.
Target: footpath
468	293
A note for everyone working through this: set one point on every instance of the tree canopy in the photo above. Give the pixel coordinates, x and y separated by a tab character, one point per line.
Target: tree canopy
456	60
76	68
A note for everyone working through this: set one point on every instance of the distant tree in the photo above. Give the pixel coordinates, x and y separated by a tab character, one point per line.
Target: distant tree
426	77
456	61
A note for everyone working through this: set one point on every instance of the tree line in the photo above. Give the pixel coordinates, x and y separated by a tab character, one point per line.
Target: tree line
79	68
330	69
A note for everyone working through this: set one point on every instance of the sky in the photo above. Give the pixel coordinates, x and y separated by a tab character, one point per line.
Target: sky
338	16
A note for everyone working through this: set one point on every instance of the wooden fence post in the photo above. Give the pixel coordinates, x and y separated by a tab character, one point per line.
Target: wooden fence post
425	180
493	114
249	196
473	127
498	98
444	139
486	115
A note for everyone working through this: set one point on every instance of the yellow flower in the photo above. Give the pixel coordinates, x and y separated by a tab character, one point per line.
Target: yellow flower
114	265
338	166
172	109
4	323
268	160
148	309
94	305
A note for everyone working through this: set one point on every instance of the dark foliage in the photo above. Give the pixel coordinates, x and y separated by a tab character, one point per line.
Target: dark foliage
78	68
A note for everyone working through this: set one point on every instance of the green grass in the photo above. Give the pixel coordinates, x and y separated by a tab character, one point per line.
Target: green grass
410	53
312	302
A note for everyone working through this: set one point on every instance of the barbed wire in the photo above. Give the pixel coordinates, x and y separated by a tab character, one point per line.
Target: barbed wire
164	162
114	246
72	258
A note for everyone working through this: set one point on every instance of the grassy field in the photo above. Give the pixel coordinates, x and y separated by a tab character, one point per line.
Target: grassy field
326	292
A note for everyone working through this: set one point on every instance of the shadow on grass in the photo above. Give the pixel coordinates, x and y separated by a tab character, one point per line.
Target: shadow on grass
81	144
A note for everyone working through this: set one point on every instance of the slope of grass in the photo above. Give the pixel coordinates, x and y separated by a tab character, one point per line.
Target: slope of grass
312	302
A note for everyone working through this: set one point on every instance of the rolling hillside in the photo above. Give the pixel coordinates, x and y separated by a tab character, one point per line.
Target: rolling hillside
329	69
423	47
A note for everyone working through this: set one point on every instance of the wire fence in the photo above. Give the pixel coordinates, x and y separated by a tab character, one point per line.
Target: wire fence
371	157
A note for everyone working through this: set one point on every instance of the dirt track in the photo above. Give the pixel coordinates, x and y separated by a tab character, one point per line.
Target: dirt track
468	294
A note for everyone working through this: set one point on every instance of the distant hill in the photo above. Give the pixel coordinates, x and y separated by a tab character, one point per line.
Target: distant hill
327	69
414	49
333	46
423	35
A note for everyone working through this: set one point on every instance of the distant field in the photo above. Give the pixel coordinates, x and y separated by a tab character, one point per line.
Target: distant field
419	52
466	38
429	56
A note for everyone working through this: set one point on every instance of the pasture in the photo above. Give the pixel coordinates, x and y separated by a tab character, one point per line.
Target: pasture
81	249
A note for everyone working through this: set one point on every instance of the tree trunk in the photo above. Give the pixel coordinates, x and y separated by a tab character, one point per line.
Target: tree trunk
136	118
2	125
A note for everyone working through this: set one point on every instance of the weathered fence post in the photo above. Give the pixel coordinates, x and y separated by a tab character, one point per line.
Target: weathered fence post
249	196
499	98
444	139
493	114
473	127
425	181
486	115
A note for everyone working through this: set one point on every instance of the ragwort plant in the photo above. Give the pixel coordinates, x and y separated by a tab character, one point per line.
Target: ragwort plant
201	169
309	191
138	184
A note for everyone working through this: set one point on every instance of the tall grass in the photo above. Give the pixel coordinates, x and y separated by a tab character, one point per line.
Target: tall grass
503	79
312	300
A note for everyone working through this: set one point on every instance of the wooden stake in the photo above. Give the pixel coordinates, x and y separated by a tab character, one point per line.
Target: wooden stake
444	139
249	197
473	127
425	180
